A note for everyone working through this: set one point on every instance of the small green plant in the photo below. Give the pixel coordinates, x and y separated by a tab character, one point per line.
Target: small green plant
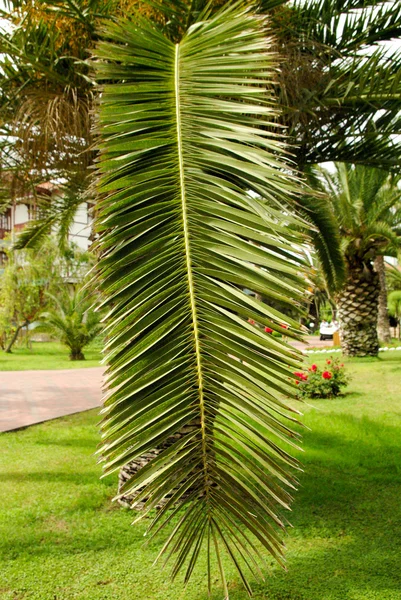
72	321
322	382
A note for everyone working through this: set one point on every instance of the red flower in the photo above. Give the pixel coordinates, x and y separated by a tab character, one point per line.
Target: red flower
268	330
284	326
251	321
327	375
328	362
298	374
342	364
304	378
313	368
297	381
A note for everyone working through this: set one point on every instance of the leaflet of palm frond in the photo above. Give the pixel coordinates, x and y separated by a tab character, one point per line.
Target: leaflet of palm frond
326	237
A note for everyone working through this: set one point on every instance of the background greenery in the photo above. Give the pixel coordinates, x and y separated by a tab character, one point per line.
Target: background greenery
60	537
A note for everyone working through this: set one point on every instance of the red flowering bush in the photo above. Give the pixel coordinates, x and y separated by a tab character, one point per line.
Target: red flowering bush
325	382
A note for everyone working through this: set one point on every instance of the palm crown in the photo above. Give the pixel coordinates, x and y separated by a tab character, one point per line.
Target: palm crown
366	203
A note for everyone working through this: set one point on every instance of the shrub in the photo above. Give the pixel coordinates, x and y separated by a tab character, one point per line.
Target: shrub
326	382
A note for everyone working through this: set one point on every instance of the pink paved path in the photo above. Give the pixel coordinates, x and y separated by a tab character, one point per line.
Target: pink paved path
28	397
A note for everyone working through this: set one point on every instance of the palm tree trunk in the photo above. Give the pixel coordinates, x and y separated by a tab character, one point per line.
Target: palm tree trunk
129	470
358	310
383	324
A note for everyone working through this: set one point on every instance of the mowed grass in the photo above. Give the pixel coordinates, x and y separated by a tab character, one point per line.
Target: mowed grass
48	355
62	539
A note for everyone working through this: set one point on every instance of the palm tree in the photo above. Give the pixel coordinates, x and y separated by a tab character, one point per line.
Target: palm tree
338	86
46	95
72	321
196	204
366	204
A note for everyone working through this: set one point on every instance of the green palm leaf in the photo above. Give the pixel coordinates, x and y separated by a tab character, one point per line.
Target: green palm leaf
192	211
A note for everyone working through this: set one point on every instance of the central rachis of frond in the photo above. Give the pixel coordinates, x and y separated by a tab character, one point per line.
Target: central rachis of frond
187	251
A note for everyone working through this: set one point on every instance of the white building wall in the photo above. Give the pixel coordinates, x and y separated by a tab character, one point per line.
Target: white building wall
21	214
81	228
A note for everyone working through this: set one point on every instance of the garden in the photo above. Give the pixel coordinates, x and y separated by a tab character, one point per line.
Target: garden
67	540
201	202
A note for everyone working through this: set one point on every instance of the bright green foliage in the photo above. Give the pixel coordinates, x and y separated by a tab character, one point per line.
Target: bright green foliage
23	285
394	304
72	321
22	296
393	278
193	192
28	279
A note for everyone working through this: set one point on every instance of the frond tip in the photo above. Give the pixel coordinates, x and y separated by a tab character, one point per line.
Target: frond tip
193	211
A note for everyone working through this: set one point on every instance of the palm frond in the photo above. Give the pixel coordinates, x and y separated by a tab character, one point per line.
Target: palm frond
393	277
35	232
318	211
55	215
192	188
348	25
381	235
340	85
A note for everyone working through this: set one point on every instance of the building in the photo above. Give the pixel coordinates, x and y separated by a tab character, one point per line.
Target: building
24	210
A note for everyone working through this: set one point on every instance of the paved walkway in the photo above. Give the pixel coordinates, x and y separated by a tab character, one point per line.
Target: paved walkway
28	397
314	341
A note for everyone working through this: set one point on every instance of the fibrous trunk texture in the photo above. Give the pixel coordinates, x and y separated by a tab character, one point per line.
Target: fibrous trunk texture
357	312
383	324
129	470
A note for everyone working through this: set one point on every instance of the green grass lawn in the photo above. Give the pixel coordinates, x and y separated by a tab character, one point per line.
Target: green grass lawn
48	355
61	539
